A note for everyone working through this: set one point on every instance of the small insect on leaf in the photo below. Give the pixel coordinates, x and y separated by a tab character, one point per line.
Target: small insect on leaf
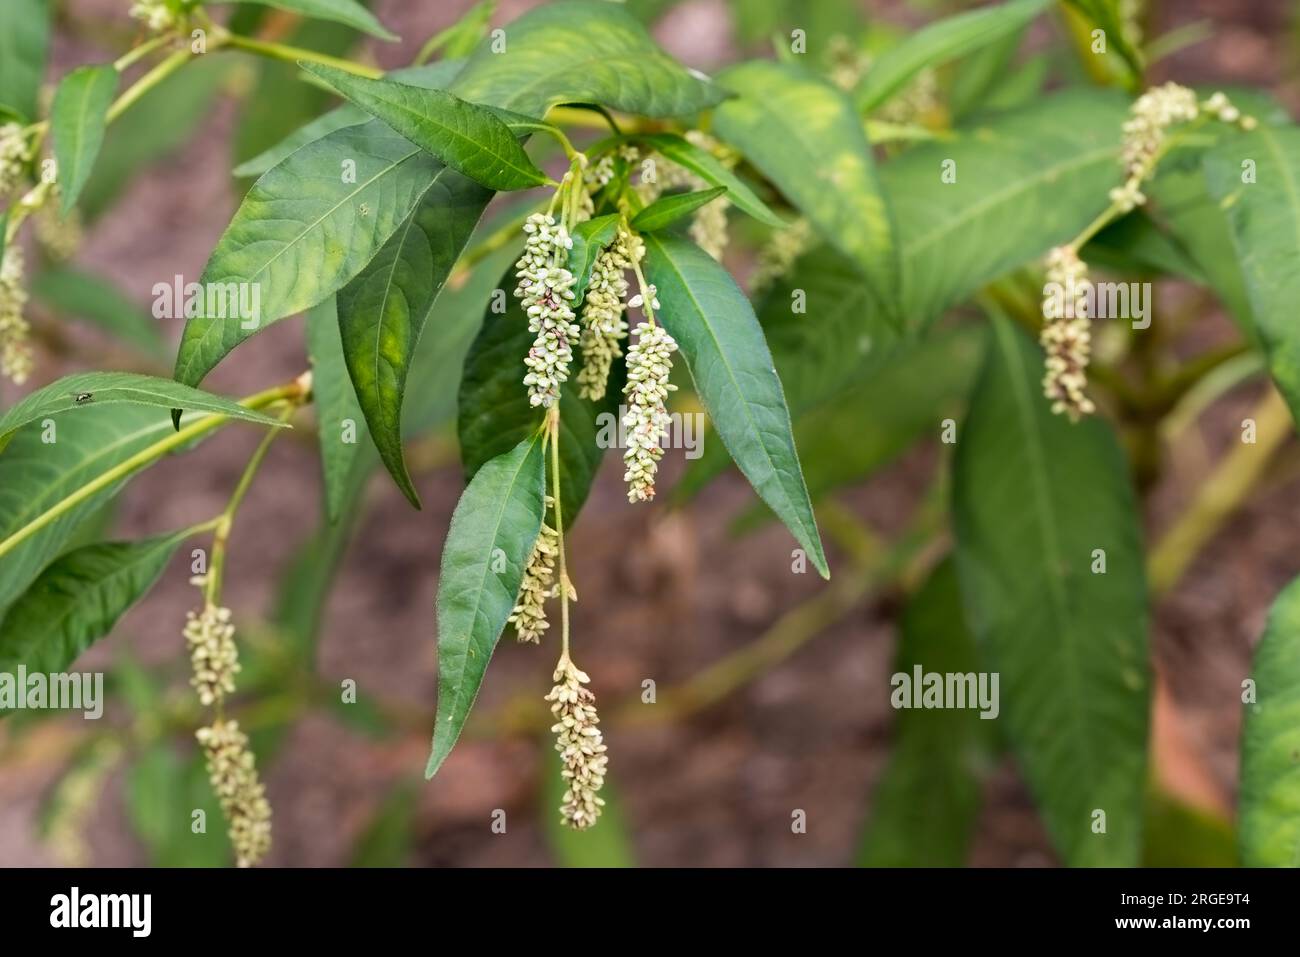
81	398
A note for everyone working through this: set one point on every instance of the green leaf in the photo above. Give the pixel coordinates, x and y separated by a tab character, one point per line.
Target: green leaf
495	525
495	414
1025	181
720	338
1107	15
589	240
1264	220
582	51
927	802
382	312
24	45
78	119
304	230
158	124
340	424
162	792
1136	243
608	844
1177	834
277	104
939	42
347	12
666	210
706	166
84	295
1269	801
473	140
42	467
434	76
75	393
78	599
1034	499
804	135
460	39
853	436
983	73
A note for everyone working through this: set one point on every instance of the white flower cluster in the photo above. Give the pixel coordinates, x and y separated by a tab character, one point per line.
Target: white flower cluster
545	291
232	770
1150	118
1066	337
213	653
15	344
581	747
13	156
649	362
602	313
529	615
157	15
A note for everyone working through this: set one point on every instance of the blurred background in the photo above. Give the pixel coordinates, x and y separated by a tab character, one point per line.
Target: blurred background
772	687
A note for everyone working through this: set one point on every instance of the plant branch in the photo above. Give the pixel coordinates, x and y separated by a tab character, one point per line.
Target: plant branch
143	458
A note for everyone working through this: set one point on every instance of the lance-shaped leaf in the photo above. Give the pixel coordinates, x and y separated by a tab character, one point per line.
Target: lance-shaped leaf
24	44
433	76
1050	558
707	166
940	42
75	393
477	141
1270	771
1001	194
43	468
927	802
541	61
340	424
303	231
489	542
589	240
1255	179
382	312
666	210
78	599
1108	15
77	121
805	136
347	12
723	344
495	413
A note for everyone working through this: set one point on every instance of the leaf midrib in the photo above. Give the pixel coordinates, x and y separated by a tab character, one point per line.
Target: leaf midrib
506	499
814	538
1024	397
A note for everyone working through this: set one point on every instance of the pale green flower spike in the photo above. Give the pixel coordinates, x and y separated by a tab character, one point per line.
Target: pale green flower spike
1066	336
602	315
580	743
545	290
15	344
232	770
649	363
529	615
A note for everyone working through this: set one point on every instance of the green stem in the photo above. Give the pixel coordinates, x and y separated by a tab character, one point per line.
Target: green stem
554	437
164	69
143	458
131	57
212	588
290	54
